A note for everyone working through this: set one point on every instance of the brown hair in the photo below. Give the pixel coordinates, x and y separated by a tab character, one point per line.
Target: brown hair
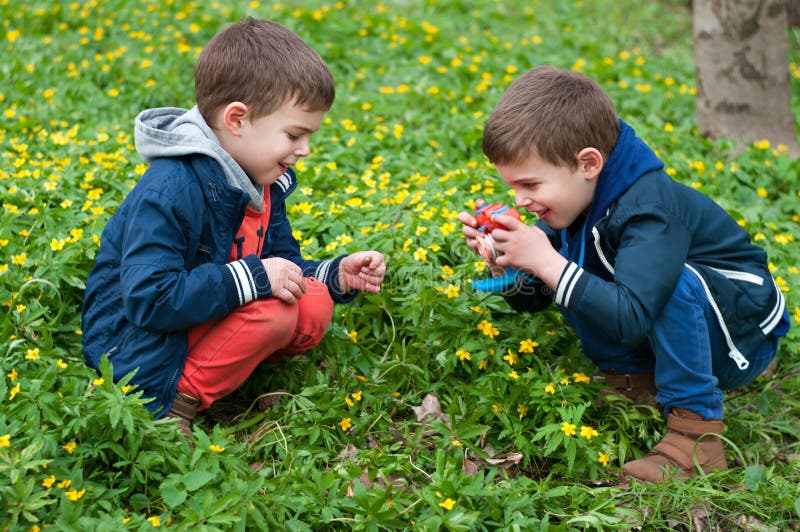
263	65
553	113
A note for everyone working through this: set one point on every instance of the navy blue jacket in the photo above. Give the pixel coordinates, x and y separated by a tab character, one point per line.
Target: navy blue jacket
627	254
163	268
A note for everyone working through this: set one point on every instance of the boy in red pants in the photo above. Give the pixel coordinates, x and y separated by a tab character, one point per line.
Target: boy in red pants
198	278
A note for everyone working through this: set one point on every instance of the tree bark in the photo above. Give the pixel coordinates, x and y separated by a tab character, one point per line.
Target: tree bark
742	66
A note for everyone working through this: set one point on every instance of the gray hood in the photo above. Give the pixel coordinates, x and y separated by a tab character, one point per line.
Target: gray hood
173	132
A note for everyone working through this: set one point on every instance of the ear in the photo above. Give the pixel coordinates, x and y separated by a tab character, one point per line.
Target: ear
590	162
234	117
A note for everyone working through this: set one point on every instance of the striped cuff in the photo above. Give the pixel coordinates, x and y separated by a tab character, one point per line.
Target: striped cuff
566	285
249	279
324	271
327	272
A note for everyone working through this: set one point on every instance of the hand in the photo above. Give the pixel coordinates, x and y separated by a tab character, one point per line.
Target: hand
474	236
527	248
285	278
362	271
470	226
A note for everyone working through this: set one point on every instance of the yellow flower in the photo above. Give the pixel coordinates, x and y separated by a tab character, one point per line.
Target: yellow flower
61	364
447	504
451	291
49	481
345	423
14	391
511	358
463	355
421	255
13	375
550	389
5	441
568	428
588	432
69	447
155	521
482	364
456	443
581	377
526	346
216	448
64	484
357	395
762	144
514	375
603	458
98	381
353	336
32	354
522	410
74	494
762	192
349	402
488	329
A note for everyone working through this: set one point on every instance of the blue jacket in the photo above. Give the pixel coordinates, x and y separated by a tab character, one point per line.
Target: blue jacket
163	268
627	254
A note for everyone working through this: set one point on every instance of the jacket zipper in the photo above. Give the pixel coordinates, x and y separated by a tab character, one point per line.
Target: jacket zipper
600	254
734	353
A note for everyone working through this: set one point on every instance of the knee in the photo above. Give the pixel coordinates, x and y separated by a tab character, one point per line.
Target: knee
274	315
315	309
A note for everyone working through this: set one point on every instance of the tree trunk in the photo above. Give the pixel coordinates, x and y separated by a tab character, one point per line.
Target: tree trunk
742	62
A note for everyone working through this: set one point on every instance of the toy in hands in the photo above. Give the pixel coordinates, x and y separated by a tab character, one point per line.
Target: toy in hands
485	246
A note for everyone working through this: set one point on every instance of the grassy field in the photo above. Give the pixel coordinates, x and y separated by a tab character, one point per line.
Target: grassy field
428	406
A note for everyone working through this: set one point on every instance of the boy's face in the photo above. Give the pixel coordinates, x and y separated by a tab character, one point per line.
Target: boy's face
558	194
267	146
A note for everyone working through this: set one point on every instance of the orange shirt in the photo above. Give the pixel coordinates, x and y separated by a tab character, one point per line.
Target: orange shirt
251	234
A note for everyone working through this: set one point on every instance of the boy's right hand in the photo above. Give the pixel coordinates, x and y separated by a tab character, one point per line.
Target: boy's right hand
285	278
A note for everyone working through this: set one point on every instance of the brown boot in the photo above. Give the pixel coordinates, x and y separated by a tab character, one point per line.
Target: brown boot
688	436
638	387
184	407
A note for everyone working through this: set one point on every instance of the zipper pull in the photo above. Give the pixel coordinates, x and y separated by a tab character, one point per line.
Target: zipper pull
737	357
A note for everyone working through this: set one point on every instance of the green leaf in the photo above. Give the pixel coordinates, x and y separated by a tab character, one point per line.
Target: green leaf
754	476
195	480
173	495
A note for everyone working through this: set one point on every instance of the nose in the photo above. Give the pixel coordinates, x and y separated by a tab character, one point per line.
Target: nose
302	149
521	200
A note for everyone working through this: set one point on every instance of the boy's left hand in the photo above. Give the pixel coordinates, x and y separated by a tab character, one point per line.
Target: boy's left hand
527	248
362	271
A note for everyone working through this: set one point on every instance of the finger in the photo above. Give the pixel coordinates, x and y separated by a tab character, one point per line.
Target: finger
469	232
297	290
372	279
467	219
479	202
508	221
286	296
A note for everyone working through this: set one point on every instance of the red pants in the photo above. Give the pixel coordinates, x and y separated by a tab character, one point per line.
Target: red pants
223	353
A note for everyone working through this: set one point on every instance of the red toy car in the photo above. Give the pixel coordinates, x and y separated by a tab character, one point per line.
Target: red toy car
484	216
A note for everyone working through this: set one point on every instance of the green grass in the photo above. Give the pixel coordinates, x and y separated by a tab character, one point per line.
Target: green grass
338	438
